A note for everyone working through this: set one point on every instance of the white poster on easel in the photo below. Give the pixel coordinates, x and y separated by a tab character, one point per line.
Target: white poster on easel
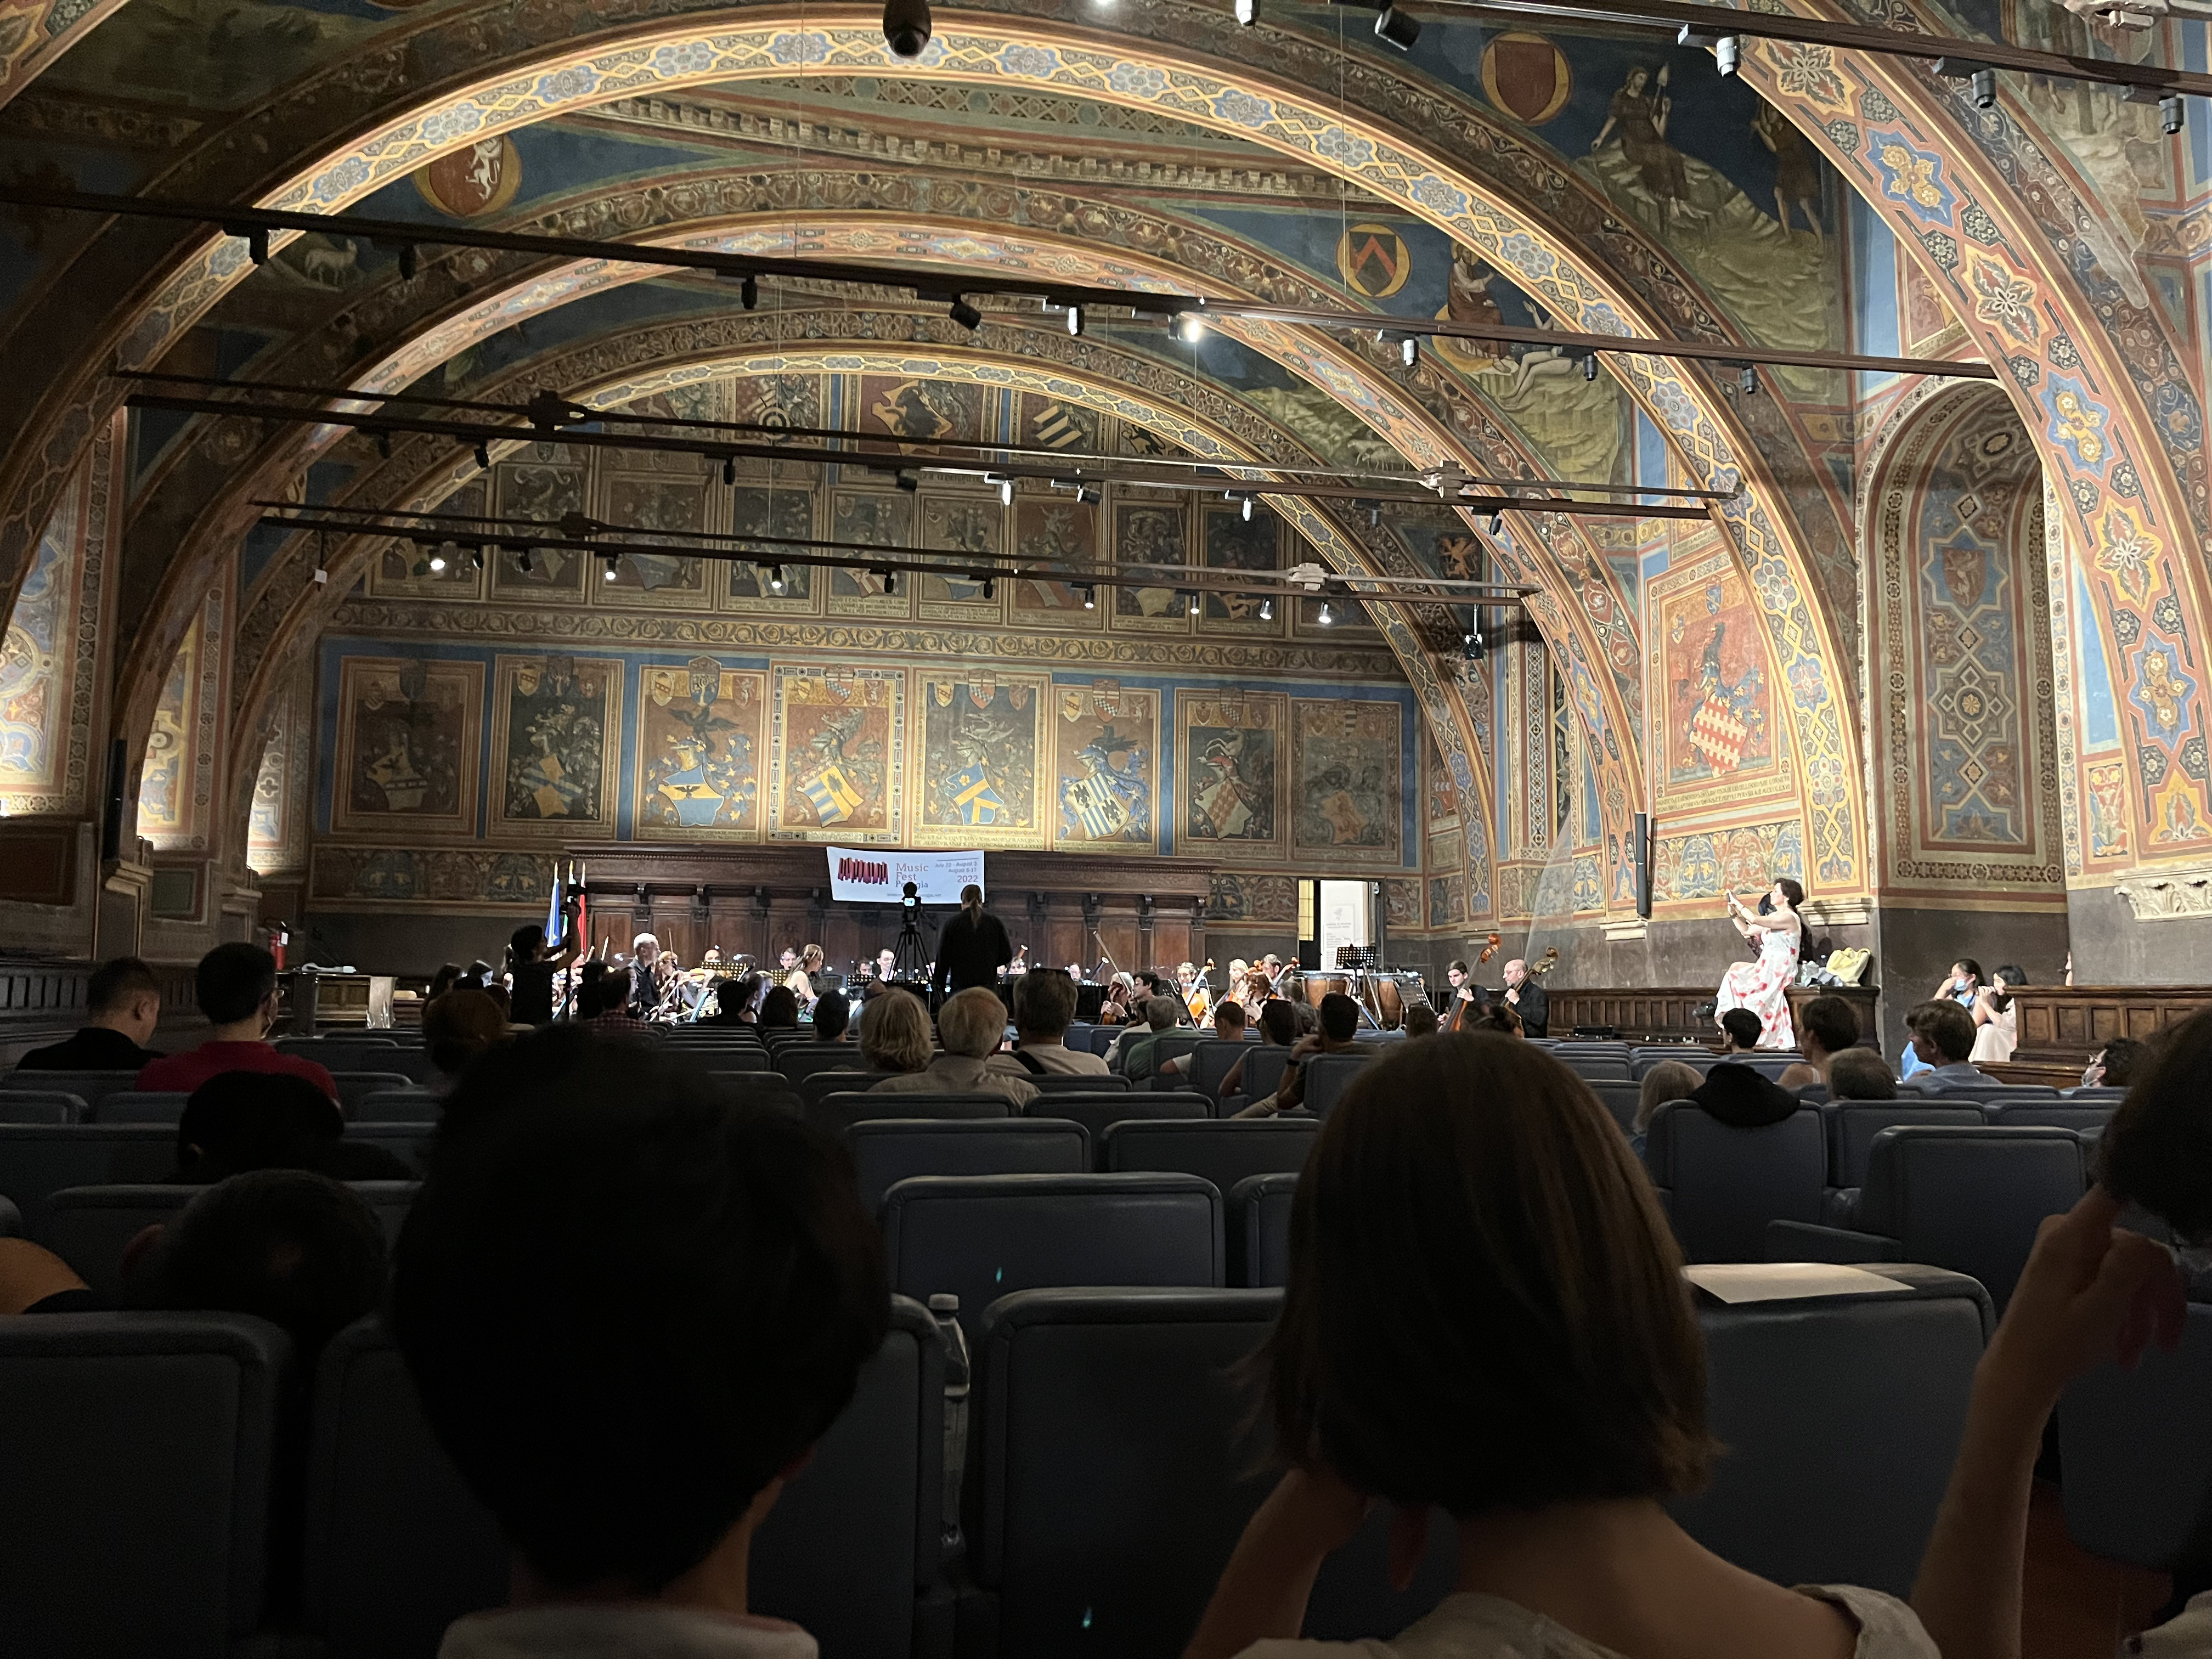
1344	919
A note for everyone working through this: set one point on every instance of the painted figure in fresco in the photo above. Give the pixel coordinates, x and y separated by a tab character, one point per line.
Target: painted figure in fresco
1725	716
841	779
967	785
1110	801
703	776
1639	111
911	410
1796	174
556	754
1232	796
1467	300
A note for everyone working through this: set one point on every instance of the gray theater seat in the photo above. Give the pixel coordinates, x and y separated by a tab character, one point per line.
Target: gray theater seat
399	1106
336	1054
2137	1448
813	1090
354	1087
836	1113
1210	1063
798	1060
735	1057
1079	1083
887	1150
1263	1075
87	1086
1125	1398
1223	1154
771	1089
1964	1198
1166	1046
36	1161
1597	1068
135	1451
89	1227
1850	1126
1720	1186
984	1237
1097	1112
1260	1229
1641	1061
46	1106
1842	1416
1327	1077
162	1106
2049	1114
396	1548
1619	1098
408	1141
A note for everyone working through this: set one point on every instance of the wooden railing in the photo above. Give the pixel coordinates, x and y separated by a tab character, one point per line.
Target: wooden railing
2061	1027
1665	1013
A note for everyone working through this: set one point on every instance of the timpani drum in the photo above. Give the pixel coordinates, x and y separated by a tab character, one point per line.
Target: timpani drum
1314	986
1389	1009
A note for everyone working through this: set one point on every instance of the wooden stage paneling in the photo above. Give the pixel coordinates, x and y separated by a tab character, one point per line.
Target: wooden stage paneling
2063	1026
1662	1014
754	901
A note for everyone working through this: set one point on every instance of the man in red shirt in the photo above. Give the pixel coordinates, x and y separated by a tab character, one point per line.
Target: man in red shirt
236	989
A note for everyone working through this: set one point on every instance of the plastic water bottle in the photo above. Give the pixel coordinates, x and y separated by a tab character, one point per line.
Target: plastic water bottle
945	1308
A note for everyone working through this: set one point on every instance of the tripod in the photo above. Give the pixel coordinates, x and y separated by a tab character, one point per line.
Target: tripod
909	960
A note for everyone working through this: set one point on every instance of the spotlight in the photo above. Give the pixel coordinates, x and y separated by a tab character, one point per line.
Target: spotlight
1193	606
964	315
729	470
1589	366
1394	27
1498	524
1268	610
523	562
1728	52
384	446
906	27
1374	518
256	244
749	291
410	262
990	588
1748	379
1087	495
1247	12
776	579
909	482
1075	319
1409	351
478	553
437	561
888	576
1190	328
483	457
1328	616
2169	114
1248	509
1090	597
1005	492
1984	85
613	568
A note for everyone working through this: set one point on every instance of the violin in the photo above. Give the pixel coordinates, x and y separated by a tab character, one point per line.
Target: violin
1490	949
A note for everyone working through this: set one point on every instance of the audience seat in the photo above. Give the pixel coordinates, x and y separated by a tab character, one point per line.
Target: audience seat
838	1111
36	1161
135	1451
1096	1112
983	1237
409	1141
738	1057
798	1060
1223	1154
1326	1077
44	1106
1595	1069
1081	1082
354	1087
2077	1114
886	1150
337	1055
161	1106
1620	1098
1210	1063
1850	1126
1102	1038
1263	1074
399	1106
1721	1186
813	1090
1641	1061
1964	1198
1168	1044
2090	1094
89	1227
1259	1229
1841	1415
396	1548
2137	1448
90	1087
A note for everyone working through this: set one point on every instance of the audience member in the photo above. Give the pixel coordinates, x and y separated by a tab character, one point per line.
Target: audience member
591	989
1670	1080
1421	1021
895	1032
1338	1034
1997	1020
1827	1027
626	1384
123	1002
236	989
460	1025
530	968
778	1009
1739	1028
1501	1020
614	1018
1044	1007
734	997
1743	1098
442	981
478	977
1228	1027
1943	1037
1961	985
2115	1064
1278	1029
1860	1074
832	1013
1543	1383
241	1121
1132	1053
972	1024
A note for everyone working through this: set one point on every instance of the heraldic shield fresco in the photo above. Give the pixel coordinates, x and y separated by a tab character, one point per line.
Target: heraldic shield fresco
839	735
1106	746
552	721
978	777
699	752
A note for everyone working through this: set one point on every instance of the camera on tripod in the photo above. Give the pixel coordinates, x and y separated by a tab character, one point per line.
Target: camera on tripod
910	899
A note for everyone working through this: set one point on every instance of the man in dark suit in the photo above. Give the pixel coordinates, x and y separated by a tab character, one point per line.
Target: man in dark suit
973	948
1529	999
124	999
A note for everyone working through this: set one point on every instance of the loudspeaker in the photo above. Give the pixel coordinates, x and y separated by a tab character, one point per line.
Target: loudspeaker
111	813
1639	832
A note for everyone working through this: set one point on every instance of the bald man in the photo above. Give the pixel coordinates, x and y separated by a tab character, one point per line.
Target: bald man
1529	999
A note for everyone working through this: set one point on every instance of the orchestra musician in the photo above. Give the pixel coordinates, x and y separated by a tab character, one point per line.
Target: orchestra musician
1529	999
1193	991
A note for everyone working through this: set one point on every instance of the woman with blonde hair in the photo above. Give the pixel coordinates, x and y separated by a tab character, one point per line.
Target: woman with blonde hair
894	1033
972	1025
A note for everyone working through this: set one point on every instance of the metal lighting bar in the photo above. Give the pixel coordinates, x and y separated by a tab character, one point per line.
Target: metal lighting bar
467	432
1709	19
953	287
548	412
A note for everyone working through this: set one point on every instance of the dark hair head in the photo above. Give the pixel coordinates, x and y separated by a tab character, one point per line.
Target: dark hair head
594	993
832	1013
1421	1020
1229	1012
2013	974
629	1304
296	1249
442	981
2123	1057
114	986
1340	1017
1971	966
1486	1309
1044	1003
1793	890
232	980
1457	967
1948	1027
1742	1026
780	1009
1831	1022
1502	1018
2157	1149
525	941
459	1026
1280	1020
239	1121
1860	1074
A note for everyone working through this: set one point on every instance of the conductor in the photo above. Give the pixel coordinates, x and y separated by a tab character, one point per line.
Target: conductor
973	947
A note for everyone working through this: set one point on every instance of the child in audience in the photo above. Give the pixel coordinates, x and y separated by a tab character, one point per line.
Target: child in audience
1670	1080
631	1309
1485	1314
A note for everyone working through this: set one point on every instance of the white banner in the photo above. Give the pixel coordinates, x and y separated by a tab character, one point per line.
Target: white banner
872	875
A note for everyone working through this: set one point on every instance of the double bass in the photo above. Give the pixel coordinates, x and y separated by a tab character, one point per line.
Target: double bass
1198	1000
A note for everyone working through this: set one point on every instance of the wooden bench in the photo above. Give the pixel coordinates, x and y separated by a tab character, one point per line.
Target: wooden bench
2061	1027
1662	1014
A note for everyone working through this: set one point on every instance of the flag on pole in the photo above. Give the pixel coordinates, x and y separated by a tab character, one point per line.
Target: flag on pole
583	906
553	914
